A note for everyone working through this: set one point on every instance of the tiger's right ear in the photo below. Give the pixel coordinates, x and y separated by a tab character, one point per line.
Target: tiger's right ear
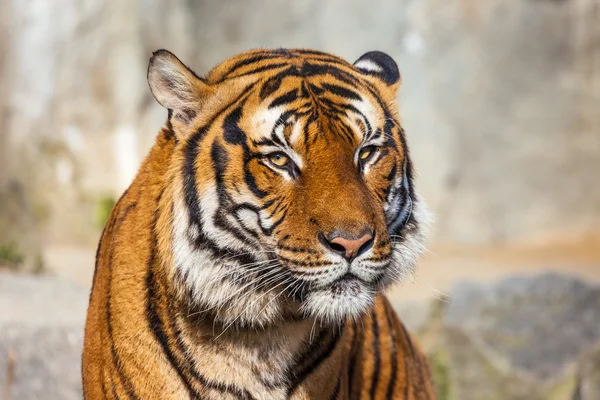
176	87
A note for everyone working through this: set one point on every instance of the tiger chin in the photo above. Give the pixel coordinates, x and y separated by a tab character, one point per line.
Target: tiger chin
249	257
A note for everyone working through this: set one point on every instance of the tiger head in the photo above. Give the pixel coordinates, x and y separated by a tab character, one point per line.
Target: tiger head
291	188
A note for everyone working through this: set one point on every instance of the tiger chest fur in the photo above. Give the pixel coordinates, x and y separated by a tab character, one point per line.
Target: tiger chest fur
249	257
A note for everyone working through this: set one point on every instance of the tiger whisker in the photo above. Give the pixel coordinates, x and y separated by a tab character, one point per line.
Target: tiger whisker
279	294
255	289
246	309
248	270
272	271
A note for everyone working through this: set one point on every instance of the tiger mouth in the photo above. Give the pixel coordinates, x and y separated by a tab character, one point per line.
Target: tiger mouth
349	284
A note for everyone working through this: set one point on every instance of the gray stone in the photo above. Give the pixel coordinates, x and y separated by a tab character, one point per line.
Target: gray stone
47	361
473	374
588	375
41	325
537	325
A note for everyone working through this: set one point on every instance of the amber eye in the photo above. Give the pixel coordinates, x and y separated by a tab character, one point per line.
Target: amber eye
366	153
278	159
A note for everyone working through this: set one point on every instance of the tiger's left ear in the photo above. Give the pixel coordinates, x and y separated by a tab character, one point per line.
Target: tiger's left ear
380	66
177	88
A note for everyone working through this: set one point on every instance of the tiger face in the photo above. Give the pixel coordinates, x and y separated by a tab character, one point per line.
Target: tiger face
291	193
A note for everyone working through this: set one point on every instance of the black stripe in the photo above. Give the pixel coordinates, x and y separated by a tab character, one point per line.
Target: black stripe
237	136
155	323
381	154
272	84
104	390
311	52
281	203
342	91
376	353
285	98
347	133
259	70
393	355
269	231
191	153
328	60
236	208
232	133
412	357
251	183
392	175
124	379
305	263
267	55
113	389
220	160
318	354
312	69
266	142
221	387
313	118
353	357
336	390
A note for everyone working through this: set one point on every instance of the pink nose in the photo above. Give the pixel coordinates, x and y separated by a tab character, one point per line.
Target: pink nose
349	248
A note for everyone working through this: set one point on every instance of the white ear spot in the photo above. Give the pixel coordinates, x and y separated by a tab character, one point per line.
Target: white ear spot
368	65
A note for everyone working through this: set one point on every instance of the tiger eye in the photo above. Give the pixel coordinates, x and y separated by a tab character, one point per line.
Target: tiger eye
365	153
278	159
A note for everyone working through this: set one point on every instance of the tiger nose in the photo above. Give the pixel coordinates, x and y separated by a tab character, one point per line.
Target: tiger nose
347	245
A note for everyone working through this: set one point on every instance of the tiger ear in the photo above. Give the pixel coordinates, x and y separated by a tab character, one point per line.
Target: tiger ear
176	87
380	66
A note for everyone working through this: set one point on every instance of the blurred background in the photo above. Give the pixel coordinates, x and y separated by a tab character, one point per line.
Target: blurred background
501	104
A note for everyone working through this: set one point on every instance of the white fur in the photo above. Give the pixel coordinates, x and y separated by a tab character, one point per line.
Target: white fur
330	308
368	65
202	273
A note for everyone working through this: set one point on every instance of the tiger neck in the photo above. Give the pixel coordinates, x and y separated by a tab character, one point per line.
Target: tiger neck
281	357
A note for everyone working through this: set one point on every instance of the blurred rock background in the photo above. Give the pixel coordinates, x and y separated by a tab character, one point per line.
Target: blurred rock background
501	104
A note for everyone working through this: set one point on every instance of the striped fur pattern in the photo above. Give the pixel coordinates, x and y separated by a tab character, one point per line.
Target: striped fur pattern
217	276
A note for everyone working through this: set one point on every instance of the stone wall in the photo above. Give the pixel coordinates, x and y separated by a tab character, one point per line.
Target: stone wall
499	100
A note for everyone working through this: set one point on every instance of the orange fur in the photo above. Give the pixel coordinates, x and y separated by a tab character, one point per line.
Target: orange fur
212	279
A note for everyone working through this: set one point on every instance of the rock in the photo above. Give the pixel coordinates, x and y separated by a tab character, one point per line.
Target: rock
522	338
47	361
588	375
41	326
473	374
537	325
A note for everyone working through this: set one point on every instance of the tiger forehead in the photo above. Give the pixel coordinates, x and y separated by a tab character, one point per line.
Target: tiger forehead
269	60
352	119
298	93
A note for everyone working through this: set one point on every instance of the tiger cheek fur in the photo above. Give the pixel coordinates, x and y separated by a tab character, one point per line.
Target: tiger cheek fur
248	258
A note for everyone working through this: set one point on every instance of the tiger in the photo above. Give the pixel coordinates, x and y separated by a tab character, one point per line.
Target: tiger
250	256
